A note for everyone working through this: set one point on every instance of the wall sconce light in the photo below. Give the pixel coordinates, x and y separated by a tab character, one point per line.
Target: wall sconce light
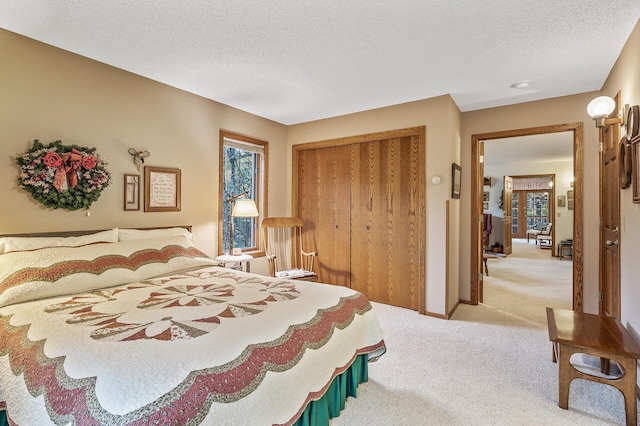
601	107
571	181
138	156
436	180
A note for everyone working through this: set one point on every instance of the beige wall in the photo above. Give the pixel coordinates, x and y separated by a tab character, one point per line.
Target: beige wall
50	94
625	77
441	118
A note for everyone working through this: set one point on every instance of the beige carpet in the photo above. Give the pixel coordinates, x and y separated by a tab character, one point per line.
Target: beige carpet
489	365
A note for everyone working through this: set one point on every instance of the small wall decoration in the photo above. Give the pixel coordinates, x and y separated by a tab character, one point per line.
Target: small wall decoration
625	166
485	196
562	201
485	206
132	192
487	181
456	180
635	168
161	189
139	156
61	176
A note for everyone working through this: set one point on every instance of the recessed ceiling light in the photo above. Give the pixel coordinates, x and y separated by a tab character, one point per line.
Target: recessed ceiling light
521	84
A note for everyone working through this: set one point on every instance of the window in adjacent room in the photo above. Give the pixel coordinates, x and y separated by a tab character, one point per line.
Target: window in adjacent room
242	170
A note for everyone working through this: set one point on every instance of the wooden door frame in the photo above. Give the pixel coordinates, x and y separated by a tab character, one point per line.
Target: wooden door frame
418	132
477	186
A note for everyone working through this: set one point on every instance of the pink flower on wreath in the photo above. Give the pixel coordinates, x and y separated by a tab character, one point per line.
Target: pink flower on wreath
52	159
89	162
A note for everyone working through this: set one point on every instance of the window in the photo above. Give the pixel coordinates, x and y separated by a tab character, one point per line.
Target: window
242	170
532	212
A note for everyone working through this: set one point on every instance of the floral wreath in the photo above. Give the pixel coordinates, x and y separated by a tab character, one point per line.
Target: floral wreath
63	176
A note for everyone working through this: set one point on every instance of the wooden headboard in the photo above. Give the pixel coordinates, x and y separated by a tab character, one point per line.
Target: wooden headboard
86	232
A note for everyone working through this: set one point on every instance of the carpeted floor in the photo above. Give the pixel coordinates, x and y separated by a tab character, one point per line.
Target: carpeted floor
488	365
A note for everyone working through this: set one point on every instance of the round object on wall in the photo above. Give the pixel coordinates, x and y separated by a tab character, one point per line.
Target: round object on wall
436	180
624	164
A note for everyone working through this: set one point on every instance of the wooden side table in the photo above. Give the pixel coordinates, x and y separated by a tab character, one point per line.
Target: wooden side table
229	259
565	250
601	336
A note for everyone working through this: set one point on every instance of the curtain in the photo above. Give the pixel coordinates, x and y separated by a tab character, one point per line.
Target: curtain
532	183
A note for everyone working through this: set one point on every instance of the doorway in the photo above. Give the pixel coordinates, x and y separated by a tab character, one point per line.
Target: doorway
477	181
531	210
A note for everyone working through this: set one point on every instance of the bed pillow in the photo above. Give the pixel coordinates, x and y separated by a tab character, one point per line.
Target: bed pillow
56	271
10	244
144	234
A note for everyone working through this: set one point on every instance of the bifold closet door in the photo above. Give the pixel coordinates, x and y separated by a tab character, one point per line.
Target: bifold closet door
384	220
324	204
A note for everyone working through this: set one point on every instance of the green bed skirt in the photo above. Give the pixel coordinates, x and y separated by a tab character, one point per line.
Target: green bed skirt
329	406
332	402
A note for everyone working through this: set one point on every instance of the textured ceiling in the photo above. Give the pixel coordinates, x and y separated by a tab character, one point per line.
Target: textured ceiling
297	61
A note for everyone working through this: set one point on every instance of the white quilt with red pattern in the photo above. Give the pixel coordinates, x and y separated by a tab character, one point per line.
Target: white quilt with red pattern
149	332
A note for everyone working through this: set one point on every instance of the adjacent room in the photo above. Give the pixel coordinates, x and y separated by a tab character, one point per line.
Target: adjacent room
295	213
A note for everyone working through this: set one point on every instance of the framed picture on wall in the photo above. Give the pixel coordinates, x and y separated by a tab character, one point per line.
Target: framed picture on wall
161	189
456	180
562	201
132	192
485	196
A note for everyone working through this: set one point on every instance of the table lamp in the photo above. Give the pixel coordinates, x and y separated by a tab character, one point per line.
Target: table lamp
240	208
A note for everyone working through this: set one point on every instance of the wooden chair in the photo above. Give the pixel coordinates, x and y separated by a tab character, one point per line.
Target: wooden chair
283	248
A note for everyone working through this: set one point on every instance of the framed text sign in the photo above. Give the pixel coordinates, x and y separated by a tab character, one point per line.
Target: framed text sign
161	189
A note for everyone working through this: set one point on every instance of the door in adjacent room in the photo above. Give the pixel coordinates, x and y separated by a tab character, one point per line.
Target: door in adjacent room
508	213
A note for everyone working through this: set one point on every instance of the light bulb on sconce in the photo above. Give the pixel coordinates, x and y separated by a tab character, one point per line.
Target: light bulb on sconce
601	107
571	181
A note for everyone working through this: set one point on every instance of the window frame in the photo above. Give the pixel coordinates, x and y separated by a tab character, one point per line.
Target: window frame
261	182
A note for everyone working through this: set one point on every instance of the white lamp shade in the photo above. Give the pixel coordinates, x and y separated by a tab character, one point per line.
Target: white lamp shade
600	107
245	208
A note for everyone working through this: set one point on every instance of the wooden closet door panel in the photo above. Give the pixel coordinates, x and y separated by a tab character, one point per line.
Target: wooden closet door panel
384	221
324	198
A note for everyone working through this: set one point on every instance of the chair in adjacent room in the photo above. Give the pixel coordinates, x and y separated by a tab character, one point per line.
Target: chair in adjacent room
544	230
545	236
283	248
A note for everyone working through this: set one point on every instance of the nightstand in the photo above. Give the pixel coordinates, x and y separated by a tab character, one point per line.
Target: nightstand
230	261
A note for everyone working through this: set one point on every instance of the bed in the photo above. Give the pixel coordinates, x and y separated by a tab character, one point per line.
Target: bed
140	327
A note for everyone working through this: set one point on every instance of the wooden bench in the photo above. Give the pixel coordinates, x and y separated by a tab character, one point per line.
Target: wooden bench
601	336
